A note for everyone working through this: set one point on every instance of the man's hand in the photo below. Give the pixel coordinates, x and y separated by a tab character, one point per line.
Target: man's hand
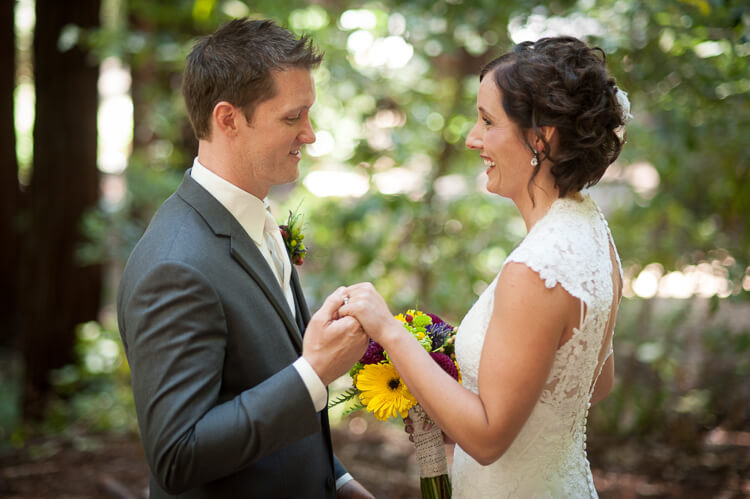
332	344
353	490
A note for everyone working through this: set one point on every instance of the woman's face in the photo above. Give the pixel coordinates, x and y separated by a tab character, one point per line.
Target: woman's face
500	143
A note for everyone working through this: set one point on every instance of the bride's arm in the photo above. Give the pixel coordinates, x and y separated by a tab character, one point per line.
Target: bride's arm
524	332
605	382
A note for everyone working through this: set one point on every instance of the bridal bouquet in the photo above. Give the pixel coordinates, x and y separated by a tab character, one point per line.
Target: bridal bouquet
378	388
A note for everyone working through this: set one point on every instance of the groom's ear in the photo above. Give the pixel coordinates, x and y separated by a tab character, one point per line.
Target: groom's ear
226	119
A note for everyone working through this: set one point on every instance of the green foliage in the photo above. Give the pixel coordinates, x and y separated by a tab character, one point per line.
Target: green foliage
95	393
356	406
686	66
91	396
343	403
680	370
408	250
112	232
344	397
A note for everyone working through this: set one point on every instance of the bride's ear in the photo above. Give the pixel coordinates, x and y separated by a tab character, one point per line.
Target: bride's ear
549	133
550	136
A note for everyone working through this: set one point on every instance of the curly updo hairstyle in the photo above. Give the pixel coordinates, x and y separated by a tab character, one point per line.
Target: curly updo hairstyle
563	83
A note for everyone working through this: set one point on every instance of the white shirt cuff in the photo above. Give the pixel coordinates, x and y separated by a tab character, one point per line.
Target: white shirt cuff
346	477
312	381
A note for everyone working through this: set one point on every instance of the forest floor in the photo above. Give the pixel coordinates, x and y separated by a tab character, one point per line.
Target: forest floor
381	457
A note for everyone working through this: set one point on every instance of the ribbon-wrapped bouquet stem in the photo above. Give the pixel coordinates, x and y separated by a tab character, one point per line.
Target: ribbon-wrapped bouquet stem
378	388
433	464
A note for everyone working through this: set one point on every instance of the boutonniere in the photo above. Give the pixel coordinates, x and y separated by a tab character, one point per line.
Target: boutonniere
292	234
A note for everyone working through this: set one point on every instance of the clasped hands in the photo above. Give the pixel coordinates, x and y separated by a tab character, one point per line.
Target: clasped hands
363	302
338	334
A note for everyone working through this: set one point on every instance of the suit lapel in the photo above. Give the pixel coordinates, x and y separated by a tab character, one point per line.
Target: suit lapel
249	257
302	312
242	248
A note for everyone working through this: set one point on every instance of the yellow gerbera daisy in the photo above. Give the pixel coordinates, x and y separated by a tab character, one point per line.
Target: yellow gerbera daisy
382	391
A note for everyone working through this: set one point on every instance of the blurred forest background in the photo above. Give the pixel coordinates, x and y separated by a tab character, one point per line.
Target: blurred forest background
94	136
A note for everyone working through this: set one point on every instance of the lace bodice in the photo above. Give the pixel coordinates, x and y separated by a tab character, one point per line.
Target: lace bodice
570	245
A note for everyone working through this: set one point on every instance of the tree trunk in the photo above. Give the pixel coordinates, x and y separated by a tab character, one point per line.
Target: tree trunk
58	291
9	188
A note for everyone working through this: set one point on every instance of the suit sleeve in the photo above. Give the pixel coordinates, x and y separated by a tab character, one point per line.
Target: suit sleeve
175	333
338	468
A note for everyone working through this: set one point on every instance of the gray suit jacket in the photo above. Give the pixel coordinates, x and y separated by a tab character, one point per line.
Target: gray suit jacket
210	341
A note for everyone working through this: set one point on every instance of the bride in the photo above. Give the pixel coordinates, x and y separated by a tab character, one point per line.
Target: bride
535	349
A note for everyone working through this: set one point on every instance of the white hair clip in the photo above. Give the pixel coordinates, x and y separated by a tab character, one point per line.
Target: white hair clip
624	103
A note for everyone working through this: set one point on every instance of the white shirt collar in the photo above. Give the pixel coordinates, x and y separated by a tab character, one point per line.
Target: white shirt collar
249	211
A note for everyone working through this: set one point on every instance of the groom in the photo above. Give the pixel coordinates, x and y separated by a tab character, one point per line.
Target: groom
230	393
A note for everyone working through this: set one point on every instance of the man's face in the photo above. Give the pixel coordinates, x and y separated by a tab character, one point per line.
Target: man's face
271	143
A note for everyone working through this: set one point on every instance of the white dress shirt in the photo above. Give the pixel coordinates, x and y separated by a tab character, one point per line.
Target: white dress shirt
250	212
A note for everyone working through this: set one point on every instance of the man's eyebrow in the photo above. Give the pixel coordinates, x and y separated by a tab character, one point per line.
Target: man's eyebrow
301	108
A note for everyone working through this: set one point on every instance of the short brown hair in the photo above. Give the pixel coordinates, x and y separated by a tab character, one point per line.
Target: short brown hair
562	82
235	64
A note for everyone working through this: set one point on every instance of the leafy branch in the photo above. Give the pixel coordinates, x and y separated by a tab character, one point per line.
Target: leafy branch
344	397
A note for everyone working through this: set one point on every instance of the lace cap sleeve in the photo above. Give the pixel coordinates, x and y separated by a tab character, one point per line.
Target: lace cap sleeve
564	248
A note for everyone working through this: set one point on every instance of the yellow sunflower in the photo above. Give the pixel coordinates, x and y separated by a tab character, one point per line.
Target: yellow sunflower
382	391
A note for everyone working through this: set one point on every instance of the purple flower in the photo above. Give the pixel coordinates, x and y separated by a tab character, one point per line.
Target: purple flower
373	355
435	318
438	333
446	363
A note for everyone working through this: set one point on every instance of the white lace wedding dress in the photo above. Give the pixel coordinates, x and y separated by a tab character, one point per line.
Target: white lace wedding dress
570	245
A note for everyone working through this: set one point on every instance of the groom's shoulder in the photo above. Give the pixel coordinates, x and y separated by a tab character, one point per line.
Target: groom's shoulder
177	232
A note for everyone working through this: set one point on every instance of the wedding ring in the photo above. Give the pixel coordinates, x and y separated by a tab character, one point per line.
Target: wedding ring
346	300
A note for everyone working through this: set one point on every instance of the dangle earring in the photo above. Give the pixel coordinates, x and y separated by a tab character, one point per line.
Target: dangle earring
534	161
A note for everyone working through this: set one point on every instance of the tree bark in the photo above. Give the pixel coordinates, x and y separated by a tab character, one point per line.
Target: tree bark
58	291
9	188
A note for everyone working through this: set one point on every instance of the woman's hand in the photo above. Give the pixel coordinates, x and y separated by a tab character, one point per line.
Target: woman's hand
365	304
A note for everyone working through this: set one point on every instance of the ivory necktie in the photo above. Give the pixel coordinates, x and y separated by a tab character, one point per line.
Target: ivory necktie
270	230
282	266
